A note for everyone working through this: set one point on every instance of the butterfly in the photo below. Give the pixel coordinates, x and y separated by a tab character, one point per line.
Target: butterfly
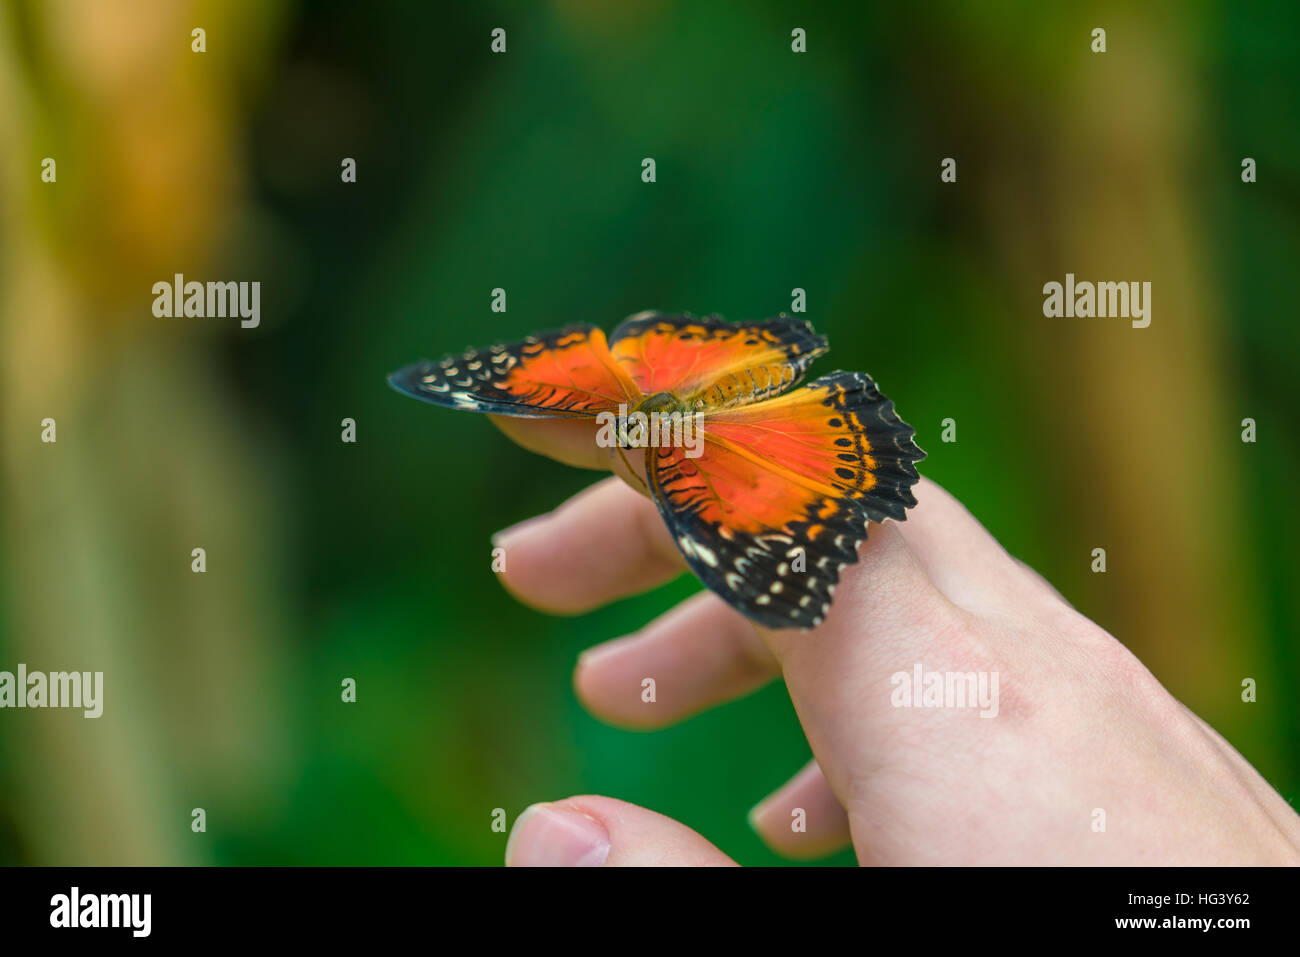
775	500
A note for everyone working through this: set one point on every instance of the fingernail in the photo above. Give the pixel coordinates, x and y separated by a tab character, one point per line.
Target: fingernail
505	533
547	835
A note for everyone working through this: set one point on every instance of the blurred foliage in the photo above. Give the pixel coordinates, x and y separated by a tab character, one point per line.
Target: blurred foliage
522	171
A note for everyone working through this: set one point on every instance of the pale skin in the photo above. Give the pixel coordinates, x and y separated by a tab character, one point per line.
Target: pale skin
1082	725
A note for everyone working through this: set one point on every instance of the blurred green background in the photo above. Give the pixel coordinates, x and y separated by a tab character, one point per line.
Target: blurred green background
775	170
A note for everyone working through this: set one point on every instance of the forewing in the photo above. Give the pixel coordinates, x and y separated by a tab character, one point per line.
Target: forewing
712	363
565	373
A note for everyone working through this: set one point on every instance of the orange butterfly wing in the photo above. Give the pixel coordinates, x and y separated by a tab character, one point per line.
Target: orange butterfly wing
777	503
711	363
565	373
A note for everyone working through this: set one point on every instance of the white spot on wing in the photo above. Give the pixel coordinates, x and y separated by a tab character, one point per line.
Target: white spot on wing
693	548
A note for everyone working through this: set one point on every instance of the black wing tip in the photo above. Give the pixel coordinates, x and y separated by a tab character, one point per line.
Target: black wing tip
406	379
410	381
715	320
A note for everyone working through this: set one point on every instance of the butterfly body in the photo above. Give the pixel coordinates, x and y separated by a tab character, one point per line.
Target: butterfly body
774	503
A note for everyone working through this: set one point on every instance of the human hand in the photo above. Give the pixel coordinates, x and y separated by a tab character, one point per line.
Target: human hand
1080	728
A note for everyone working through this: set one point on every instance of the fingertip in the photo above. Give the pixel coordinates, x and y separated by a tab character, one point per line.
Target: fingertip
639	837
694	656
539	567
612	695
802	820
604	543
556	835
